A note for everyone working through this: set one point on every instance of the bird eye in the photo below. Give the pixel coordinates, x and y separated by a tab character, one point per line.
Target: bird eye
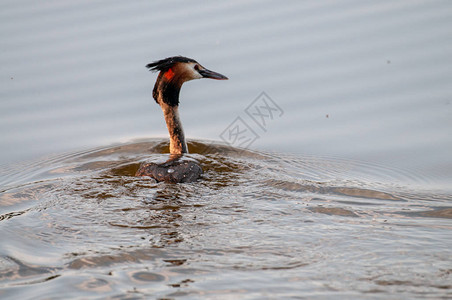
197	67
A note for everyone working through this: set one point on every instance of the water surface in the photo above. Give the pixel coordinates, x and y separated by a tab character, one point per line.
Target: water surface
345	191
255	225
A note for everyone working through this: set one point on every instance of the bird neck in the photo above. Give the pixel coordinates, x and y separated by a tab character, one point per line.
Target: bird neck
167	89
178	145
166	94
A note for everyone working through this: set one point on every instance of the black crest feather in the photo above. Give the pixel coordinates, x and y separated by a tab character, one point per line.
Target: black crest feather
166	63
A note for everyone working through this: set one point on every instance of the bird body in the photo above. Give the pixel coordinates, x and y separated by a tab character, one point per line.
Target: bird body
176	170
174	71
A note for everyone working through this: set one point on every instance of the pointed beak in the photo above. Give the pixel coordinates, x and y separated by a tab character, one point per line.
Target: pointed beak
211	74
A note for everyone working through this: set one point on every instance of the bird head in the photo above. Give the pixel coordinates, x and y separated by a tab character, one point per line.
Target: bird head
174	71
181	69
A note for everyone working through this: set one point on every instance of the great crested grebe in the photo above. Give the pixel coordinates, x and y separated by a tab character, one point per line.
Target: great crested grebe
174	71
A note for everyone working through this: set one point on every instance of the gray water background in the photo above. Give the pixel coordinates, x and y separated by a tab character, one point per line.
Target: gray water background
345	192
73	76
